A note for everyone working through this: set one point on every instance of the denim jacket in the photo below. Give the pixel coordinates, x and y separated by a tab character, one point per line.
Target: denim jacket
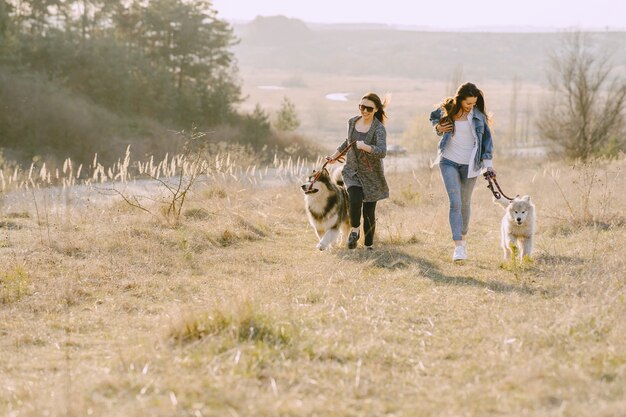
483	143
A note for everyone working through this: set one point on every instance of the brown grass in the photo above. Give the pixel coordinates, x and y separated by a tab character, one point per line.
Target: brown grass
232	312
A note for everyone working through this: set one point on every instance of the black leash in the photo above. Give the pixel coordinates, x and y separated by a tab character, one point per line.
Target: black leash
490	176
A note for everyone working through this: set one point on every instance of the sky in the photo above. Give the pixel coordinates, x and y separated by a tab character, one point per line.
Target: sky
445	14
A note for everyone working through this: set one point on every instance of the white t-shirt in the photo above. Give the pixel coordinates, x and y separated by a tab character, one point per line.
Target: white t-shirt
460	146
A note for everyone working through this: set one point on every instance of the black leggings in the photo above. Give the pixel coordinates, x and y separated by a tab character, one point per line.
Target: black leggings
369	213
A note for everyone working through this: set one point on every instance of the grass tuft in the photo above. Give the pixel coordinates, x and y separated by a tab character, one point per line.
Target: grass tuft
215	192
18	215
14	285
227	238
197	214
243	326
9	225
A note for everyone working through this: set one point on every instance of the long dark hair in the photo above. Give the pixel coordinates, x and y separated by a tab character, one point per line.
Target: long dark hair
452	105
380	105
447	105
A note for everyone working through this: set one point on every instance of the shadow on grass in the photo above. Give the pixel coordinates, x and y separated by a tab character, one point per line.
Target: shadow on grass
395	259
387	258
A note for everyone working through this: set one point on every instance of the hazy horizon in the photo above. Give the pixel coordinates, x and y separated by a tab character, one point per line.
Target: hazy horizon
532	15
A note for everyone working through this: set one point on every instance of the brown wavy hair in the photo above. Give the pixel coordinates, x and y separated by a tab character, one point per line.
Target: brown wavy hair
452	105
447	105
380	105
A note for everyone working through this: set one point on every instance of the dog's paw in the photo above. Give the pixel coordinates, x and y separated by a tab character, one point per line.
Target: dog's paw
321	247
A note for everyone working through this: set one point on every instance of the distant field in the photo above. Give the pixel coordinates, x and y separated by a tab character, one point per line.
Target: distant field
412	100
417	68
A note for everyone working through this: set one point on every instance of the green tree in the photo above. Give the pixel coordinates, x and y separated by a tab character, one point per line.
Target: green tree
188	41
287	118
256	127
5	30
165	60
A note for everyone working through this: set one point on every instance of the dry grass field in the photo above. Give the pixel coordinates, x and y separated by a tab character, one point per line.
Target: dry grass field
106	310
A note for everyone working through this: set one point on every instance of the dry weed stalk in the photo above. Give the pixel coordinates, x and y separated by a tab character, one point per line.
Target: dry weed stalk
590	204
221	165
176	176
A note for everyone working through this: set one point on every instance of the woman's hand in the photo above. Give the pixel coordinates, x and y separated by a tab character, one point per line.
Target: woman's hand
443	128
362	146
330	159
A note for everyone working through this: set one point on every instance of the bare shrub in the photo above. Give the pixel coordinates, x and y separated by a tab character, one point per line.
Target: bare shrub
182	173
588	197
585	117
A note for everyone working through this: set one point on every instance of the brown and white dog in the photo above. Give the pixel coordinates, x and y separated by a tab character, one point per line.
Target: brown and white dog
326	204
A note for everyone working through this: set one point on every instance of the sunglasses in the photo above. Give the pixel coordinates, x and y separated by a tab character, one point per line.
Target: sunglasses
368	109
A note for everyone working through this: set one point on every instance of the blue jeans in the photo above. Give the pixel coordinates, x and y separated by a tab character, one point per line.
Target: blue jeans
459	189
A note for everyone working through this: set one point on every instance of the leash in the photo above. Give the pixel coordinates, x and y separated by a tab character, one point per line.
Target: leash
339	158
490	176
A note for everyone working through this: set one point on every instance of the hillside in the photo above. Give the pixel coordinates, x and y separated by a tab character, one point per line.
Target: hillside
287	44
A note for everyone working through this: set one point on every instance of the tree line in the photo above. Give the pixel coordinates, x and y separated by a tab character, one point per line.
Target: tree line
124	64
167	59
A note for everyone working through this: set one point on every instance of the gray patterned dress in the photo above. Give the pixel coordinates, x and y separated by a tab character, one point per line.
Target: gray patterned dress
365	169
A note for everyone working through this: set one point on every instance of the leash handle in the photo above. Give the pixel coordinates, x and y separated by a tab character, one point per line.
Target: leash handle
491	176
339	158
488	176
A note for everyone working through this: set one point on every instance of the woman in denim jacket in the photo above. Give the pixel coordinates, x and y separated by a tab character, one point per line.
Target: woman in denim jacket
363	173
465	149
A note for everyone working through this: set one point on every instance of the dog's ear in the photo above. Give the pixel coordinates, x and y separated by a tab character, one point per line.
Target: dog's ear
526	198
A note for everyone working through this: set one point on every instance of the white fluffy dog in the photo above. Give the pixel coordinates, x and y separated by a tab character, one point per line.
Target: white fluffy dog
518	227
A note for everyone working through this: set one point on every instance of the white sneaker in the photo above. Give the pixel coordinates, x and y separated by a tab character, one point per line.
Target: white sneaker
460	253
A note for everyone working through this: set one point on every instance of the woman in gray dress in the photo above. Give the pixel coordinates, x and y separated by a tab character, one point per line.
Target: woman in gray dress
363	173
